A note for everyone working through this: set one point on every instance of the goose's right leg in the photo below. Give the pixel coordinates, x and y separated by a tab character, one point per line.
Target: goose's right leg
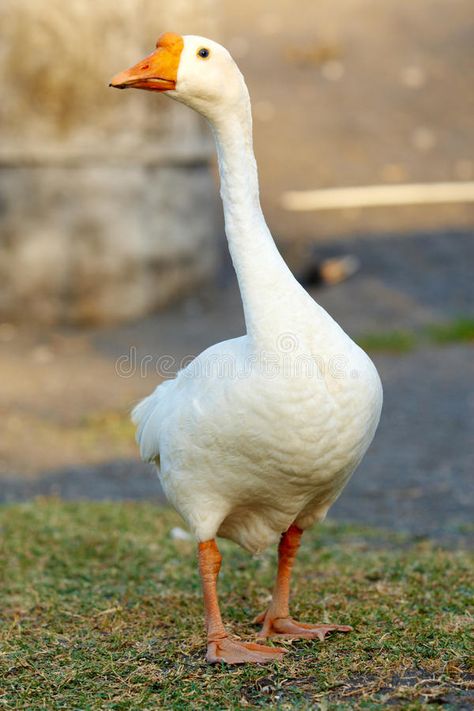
220	648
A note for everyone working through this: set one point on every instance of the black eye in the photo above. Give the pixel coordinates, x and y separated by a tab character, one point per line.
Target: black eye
203	53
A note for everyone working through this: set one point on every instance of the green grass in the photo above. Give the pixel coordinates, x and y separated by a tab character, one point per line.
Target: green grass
388	341
458	330
100	609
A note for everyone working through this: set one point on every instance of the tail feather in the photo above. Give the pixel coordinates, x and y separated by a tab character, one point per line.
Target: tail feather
148	417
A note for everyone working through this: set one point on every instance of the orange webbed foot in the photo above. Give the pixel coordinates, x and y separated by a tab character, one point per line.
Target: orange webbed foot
287	628
231	651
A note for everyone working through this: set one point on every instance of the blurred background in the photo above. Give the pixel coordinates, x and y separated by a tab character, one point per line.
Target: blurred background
112	249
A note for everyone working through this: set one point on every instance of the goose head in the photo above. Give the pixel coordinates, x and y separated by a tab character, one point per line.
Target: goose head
193	70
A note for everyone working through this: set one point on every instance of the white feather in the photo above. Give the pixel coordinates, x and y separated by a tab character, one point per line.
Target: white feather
264	430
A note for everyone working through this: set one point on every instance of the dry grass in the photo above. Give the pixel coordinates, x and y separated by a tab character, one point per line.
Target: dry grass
101	609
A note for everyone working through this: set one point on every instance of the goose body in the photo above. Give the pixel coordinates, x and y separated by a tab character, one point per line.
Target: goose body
257	437
248	446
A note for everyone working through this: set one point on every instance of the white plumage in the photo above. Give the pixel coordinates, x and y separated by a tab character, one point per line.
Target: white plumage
257	437
261	431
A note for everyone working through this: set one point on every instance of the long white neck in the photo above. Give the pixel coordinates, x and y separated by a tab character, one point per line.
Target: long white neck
266	284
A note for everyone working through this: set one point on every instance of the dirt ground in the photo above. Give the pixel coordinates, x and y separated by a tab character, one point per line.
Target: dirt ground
369	93
357	92
66	399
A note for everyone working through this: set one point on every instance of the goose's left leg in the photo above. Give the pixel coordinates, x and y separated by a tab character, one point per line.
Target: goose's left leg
276	620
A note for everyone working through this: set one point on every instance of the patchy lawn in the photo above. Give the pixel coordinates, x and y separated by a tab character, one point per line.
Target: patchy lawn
101	609
458	330
388	342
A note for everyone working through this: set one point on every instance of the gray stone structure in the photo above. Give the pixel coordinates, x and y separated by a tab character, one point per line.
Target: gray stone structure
108	209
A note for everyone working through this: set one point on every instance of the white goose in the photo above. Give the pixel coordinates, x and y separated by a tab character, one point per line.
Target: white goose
257	437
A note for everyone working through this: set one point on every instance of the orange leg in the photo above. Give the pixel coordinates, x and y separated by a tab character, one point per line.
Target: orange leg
276	620
220	648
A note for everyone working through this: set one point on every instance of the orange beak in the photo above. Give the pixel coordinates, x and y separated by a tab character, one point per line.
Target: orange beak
158	71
